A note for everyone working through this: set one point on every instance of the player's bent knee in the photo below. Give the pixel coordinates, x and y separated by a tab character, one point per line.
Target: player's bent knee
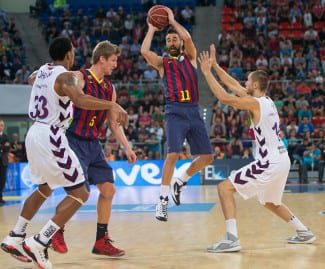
271	205
208	158
107	190
172	156
79	194
225	187
44	190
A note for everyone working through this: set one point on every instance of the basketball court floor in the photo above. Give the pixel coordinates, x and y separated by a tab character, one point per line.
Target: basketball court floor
181	242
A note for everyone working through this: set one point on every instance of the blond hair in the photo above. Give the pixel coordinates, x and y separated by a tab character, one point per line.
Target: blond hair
105	49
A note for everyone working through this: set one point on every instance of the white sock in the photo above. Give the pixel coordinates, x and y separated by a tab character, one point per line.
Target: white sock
21	225
48	231
231	226
297	224
184	177
164	190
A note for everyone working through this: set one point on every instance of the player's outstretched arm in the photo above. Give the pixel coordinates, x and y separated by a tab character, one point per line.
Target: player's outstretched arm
189	46
228	80
66	84
246	102
151	57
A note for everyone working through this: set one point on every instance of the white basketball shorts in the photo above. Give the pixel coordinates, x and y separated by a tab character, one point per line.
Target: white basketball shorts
262	179
50	158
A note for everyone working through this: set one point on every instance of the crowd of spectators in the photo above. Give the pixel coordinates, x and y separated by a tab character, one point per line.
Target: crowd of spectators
256	35
286	38
13	68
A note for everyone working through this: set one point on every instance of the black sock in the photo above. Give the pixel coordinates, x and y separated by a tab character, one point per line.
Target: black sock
101	231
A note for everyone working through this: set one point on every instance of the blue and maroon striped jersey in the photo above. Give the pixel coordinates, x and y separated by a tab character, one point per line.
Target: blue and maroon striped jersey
180	80
87	123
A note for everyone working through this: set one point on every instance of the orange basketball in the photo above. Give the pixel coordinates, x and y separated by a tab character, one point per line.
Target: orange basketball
158	16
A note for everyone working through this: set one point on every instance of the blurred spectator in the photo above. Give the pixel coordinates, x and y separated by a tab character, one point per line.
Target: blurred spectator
187	15
4	150
22	75
17	149
218	154
313	160
305	126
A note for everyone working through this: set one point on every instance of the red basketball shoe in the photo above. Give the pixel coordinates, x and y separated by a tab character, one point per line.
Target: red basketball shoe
58	243
104	247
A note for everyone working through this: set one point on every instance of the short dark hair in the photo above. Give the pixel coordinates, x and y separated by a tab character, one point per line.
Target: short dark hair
262	78
59	47
171	30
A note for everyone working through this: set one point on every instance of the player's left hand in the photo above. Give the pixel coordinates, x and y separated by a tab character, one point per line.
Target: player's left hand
205	62
132	157
171	17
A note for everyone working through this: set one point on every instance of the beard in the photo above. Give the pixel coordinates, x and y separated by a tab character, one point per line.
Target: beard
173	51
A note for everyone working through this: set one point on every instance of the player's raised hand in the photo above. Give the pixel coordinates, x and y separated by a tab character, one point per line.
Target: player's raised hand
213	54
171	17
151	27
118	114
130	154
205	62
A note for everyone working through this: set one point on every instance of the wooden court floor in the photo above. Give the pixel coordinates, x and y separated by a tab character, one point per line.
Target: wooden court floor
182	241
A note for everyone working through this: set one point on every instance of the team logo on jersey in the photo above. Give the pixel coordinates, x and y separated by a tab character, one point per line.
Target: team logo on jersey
90	78
105	85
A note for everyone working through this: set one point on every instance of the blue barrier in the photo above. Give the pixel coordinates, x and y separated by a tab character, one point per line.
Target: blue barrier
143	173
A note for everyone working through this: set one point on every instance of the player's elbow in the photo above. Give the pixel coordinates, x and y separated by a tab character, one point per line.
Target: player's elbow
144	52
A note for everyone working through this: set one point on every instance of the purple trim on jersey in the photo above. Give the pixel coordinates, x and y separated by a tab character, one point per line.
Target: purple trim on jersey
258	130
59	154
67	164
54	142
64	105
256	171
249	174
263	153
238	180
261	142
266	165
252	171
73	177
54	130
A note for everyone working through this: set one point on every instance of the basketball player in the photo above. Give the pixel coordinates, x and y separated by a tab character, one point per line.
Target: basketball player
178	71
266	176
52	161
83	139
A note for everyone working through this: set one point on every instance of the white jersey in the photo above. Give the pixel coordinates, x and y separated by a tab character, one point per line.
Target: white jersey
267	175
51	160
269	145
45	105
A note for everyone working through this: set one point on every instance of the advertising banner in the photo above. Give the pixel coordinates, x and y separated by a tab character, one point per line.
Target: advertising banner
142	173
